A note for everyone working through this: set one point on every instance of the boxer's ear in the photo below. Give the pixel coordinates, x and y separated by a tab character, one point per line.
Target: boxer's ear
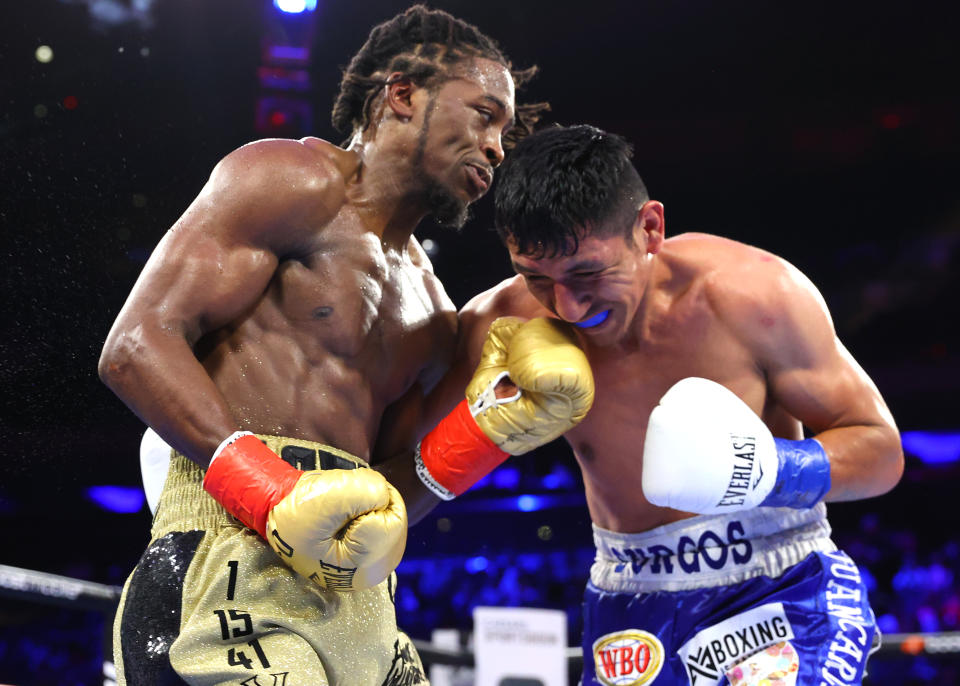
648	228
399	92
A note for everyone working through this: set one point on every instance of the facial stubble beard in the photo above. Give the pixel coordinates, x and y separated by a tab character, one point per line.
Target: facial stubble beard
446	209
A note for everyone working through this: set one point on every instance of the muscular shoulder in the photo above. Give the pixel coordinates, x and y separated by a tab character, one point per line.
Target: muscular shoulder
508	298
765	301
279	183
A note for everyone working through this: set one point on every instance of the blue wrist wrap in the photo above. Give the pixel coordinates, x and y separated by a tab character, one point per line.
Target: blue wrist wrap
803	477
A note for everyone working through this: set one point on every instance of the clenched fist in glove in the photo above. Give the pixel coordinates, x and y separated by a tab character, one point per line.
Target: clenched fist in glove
707	452
344	529
554	384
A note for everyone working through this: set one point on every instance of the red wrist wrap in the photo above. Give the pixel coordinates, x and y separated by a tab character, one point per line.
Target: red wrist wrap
248	479
457	453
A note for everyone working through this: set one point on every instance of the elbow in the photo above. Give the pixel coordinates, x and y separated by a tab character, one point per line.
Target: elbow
110	368
116	360
893	462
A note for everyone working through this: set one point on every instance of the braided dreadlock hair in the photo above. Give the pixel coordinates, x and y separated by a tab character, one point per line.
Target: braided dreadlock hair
423	44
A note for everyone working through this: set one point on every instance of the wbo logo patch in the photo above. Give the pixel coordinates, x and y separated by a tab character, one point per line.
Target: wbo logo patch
627	658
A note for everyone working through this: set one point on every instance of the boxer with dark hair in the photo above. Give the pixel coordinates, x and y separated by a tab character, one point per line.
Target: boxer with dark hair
281	339
710	357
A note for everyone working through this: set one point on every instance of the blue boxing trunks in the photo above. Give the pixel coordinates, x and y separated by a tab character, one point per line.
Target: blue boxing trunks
756	597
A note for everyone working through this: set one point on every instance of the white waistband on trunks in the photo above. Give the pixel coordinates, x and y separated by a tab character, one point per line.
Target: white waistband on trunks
709	550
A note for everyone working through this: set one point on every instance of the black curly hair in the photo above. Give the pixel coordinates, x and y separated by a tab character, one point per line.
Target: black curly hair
423	44
562	183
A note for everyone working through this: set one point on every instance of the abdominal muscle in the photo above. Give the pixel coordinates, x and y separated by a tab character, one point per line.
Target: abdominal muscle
276	391
615	496
293	377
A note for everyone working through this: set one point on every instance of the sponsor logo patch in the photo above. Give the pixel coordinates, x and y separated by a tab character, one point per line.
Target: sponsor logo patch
714	650
627	658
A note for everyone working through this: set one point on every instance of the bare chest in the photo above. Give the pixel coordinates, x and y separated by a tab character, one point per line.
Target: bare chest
609	442
361	309
629	385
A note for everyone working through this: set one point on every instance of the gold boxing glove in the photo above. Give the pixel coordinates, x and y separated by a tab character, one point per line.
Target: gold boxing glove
344	529
554	392
544	360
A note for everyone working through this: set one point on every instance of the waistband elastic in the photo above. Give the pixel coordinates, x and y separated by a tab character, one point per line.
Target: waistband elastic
709	550
185	506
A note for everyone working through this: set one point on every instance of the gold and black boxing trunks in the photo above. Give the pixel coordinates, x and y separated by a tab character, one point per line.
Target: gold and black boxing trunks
210	603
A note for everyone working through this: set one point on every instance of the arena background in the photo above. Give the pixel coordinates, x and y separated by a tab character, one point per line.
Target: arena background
826	132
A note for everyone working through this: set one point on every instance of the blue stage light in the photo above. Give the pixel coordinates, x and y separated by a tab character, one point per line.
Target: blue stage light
295	6
123	499
529	503
559	478
476	564
932	447
506	478
551	481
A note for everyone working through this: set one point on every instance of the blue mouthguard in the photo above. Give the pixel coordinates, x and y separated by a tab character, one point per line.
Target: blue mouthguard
595	320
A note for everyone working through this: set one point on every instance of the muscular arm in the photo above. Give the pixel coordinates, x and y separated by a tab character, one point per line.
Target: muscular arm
209	269
812	376
473	321
423	412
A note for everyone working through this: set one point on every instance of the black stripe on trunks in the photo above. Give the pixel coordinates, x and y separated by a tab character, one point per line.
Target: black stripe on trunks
151	611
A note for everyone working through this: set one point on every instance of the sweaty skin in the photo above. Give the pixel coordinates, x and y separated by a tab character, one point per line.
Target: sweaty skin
694	305
291	298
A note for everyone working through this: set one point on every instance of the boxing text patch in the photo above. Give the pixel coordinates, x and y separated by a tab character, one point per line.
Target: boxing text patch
714	650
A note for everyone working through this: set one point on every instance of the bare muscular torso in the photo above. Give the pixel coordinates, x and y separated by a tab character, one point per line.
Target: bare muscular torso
682	335
340	334
344	329
312	317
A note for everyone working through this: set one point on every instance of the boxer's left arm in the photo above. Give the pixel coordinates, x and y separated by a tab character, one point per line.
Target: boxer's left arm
416	416
784	320
408	421
708	451
816	380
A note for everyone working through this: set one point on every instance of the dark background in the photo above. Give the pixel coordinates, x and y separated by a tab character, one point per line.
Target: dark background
825	132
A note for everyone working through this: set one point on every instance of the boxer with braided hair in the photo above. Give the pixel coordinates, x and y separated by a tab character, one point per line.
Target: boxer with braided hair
281	339
428	47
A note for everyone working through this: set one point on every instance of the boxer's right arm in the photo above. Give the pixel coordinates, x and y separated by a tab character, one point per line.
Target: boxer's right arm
510	298
304	516
208	269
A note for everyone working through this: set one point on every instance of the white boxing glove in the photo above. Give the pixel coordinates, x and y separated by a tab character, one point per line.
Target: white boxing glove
707	452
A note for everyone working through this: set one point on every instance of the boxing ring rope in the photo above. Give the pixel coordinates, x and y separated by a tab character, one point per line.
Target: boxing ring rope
66	592
61	591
